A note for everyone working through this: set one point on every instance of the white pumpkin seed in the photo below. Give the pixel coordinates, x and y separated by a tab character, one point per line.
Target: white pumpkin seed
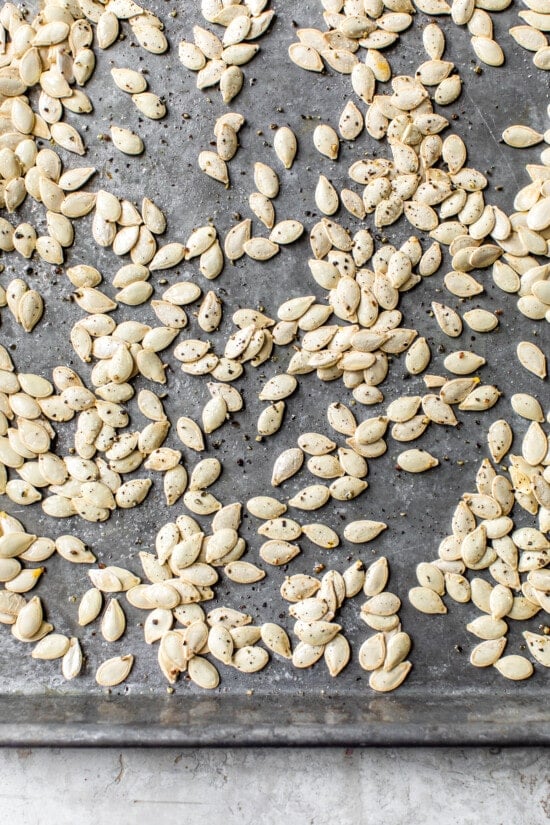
514	667
114	671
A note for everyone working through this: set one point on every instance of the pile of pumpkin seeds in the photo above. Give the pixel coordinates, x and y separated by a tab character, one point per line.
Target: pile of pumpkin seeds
353	332
486	537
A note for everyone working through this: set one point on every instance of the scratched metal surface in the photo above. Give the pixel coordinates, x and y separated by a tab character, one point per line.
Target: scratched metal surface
444	699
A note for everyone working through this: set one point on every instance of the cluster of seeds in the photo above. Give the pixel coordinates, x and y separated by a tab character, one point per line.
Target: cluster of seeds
54	54
314	604
77	482
365	299
376	68
372	25
218	61
135	84
485	538
40	175
25	304
475	16
522	274
409	183
423	179
385	653
359	352
531	34
26	618
184	569
239	242
181	574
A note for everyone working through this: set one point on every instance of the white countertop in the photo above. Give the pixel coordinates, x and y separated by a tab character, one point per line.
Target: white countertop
268	787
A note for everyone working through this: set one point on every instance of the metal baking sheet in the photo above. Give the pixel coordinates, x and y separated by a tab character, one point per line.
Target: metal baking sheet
444	700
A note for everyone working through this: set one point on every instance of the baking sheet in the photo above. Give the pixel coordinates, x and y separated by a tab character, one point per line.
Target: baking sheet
444	700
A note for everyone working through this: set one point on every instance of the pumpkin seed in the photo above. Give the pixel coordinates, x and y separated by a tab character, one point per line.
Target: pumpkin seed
426	600
72	661
487	653
514	667
114	671
532	358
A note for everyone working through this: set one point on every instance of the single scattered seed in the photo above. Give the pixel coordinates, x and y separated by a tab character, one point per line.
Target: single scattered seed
250	659
416	461
242	572
316	633
397	649
114	671
278	552
514	667
265	507
321	535
426	600
463	362
52	646
532	358
126	141
362	531
487	628
383	604
212	165
284	528
305	57
372	652
29	619
351	121
285	145
499	438
263	209
326	196
90	606
481	320
341	419
190	434
534	445
113	623
203	673
337	654
266	180
487	653
383	681
310	498
72	661
278	387
128	80
286	232
457	587
539	647
276	639
25	581
326	141
287	464
347	488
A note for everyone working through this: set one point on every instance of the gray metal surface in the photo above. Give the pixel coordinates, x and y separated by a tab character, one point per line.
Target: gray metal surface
444	699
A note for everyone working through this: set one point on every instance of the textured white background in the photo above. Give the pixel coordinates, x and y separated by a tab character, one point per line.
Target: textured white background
269	787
